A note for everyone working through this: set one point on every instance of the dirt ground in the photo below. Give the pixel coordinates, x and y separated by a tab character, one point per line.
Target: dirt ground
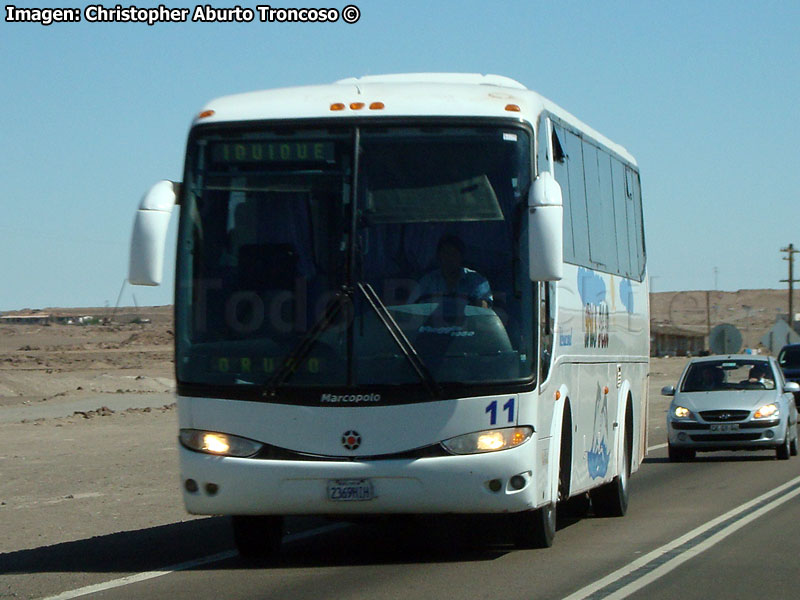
103	471
53	362
98	471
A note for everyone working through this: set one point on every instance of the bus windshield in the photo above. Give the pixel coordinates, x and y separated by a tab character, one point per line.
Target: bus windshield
377	255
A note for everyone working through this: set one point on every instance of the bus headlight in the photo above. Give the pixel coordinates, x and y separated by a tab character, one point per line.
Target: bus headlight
219	444
490	440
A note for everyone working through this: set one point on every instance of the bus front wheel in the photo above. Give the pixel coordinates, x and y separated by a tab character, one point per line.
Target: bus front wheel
535	528
257	537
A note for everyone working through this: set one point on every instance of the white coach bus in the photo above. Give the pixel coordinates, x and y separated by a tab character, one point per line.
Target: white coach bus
403	294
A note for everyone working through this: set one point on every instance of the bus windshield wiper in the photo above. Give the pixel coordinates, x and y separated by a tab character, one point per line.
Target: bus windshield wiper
406	347
290	364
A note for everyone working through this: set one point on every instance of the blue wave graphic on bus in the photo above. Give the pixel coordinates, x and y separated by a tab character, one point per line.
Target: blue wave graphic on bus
598	461
591	287
598	456
626	295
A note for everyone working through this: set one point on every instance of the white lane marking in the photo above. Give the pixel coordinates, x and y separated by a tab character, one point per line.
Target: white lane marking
115	583
123	581
665	565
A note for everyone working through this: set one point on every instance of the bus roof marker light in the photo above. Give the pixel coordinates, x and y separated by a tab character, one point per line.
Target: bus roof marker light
513	108
377	106
356	105
337	106
206	113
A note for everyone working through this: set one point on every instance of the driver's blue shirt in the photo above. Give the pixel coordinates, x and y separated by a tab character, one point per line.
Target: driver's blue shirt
471	285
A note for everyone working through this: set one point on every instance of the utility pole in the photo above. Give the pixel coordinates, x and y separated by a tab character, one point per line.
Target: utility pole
790	252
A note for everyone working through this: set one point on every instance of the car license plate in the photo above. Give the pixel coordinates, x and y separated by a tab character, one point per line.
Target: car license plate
350	490
725	427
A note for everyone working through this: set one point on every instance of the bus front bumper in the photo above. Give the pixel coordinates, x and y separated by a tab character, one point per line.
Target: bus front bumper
496	482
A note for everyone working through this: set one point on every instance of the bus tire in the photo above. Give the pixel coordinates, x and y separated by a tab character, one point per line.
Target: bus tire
257	537
611	499
535	528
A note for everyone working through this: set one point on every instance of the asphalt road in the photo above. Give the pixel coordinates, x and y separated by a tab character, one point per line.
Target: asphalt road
725	526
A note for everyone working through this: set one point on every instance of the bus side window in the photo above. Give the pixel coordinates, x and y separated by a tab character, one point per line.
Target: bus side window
558	151
562	177
635	234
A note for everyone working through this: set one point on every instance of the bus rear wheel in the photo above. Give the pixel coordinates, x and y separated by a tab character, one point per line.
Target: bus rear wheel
535	528
611	499
258	537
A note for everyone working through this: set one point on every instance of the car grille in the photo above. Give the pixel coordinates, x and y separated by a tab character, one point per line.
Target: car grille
726	437
723	416
682	426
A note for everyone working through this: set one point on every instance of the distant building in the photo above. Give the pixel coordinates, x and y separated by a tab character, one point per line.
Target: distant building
780	335
667	340
40	318
35	319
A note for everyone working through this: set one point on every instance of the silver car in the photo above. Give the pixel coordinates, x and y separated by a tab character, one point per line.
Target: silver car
735	402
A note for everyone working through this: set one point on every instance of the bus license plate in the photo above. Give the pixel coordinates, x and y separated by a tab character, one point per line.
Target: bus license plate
724	427
349	490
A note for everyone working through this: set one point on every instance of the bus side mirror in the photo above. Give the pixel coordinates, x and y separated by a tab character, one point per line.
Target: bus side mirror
545	229
149	237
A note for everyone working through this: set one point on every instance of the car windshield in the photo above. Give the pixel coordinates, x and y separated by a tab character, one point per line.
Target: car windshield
789	358
326	256
717	376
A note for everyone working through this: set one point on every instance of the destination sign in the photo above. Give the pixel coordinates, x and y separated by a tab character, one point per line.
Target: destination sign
268	365
273	152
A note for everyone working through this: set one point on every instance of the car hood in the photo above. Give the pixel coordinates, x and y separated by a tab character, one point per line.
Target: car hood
730	399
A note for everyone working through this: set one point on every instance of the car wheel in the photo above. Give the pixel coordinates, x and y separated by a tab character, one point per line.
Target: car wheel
258	537
783	451
680	454
535	528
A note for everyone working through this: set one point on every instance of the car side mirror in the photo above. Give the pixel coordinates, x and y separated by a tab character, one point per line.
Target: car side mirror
149	236
668	390
545	229
792	386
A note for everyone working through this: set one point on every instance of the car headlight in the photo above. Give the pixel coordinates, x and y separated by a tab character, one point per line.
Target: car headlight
490	440
682	413
767	411
218	444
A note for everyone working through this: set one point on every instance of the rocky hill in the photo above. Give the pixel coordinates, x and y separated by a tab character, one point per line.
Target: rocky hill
753	312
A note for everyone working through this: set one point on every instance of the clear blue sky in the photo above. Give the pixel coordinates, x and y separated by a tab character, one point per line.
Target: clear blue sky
705	94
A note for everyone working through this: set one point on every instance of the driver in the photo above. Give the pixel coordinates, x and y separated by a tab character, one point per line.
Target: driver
760	374
453	278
